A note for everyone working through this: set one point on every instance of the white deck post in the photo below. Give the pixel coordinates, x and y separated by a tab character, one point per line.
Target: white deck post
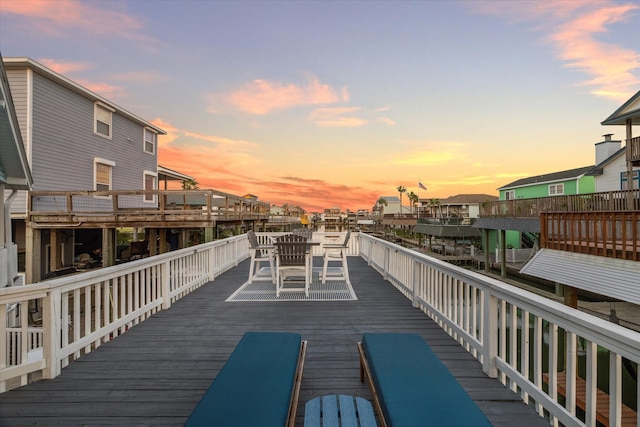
490	335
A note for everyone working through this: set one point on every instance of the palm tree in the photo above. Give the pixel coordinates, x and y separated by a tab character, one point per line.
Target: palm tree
190	184
435	203
401	189
413	198
381	203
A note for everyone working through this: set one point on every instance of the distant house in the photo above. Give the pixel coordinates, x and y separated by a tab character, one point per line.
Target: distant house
15	175
568	182
610	171
393	205
76	140
463	205
628	115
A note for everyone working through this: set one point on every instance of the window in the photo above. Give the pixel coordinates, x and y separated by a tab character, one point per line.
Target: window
623	180
150	138
103	116
103	172
150	179
556	189
510	194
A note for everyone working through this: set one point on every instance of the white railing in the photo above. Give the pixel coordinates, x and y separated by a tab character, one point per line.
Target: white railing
490	318
45	326
487	317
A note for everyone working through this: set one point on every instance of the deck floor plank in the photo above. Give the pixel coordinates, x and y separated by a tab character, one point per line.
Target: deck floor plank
157	371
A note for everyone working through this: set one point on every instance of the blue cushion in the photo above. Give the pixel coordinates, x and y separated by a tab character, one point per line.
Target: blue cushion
254	387
414	386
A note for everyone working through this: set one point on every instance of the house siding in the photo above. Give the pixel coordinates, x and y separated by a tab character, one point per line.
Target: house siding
19	86
610	178
63	145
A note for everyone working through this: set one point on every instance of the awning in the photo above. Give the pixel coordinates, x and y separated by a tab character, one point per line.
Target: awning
447	230
530	225
615	278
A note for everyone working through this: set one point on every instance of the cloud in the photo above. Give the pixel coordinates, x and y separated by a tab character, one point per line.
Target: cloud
573	28
72	18
262	97
62	67
387	121
337	117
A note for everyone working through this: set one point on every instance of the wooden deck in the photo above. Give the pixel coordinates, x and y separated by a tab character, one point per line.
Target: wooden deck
157	372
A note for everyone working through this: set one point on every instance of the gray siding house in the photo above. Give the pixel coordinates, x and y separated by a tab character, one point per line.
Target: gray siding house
15	175
76	140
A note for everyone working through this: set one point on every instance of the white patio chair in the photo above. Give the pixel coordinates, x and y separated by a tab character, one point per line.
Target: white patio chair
336	252
260	254
292	259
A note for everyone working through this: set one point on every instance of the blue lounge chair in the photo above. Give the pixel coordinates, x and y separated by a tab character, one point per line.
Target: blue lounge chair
259	384
411	386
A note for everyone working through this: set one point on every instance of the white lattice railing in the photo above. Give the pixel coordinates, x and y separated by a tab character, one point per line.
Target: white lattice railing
490	318
484	315
45	326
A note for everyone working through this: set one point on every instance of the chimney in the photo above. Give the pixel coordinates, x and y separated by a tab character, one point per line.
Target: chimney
606	148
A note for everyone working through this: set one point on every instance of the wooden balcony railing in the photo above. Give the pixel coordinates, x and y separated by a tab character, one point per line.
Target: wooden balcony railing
610	201
609	234
140	208
633	150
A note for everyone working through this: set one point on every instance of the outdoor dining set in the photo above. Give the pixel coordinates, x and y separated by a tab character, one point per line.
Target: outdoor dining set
290	260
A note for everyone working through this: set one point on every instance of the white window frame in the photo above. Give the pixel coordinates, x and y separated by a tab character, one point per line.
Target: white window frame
556	189
147	198
510	194
154	143
97	107
111	164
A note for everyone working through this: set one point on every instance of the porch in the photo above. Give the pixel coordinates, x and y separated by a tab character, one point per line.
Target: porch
159	330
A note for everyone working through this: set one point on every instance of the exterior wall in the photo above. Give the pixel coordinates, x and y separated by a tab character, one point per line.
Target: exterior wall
62	143
610	178
18	83
586	184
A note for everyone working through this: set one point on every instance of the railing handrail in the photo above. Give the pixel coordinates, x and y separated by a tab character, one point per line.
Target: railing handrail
608	201
475	309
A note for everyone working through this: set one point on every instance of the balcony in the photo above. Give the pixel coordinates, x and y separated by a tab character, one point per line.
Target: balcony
605	224
139	343
633	151
152	208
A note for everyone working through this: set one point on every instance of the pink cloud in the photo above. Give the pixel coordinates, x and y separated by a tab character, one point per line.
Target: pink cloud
573	28
263	97
337	117
62	67
66	17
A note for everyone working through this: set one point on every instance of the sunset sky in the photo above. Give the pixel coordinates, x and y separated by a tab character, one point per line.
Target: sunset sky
335	103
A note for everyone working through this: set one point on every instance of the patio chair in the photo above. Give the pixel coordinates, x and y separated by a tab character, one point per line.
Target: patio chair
292	259
260	254
336	252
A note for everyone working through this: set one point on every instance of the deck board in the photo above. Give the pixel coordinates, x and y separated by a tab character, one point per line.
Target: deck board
156	373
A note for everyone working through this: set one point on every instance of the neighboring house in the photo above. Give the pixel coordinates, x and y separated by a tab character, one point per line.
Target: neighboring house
611	169
568	182
628	115
393	205
462	205
77	140
15	175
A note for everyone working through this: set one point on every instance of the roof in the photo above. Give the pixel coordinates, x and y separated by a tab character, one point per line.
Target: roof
598	169
550	177
530	225
15	171
628	110
18	63
466	199
588	272
171	175
391	199
447	230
